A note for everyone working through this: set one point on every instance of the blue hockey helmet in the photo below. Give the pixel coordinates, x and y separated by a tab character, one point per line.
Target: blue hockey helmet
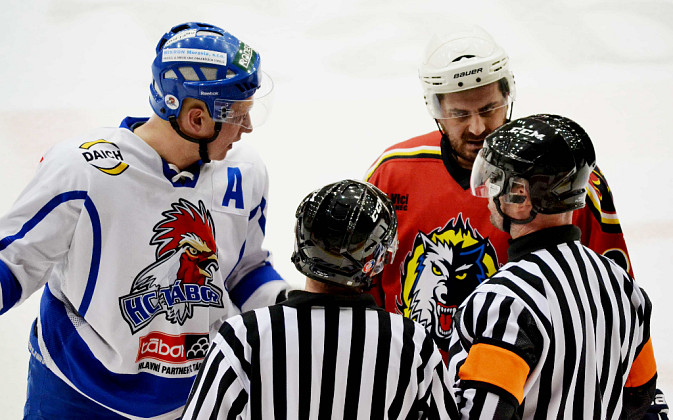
205	62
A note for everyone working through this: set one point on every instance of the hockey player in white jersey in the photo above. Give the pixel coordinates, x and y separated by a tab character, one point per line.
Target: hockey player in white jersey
145	238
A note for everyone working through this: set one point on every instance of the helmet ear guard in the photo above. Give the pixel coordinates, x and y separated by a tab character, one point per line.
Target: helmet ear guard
345	234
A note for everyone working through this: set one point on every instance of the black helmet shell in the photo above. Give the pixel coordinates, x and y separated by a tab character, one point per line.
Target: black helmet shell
553	153
344	232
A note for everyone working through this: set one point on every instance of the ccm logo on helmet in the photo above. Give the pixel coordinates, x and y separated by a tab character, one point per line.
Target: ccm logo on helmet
467	73
527	132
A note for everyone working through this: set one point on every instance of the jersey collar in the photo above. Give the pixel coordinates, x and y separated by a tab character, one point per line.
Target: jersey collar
545	238
185	178
301	298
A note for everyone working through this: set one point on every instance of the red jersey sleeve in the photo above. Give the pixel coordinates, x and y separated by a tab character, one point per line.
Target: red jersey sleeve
599	222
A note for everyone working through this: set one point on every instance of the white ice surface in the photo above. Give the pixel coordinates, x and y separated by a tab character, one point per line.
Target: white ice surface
346	87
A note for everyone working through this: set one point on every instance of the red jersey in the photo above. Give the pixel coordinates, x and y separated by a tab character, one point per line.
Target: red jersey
447	243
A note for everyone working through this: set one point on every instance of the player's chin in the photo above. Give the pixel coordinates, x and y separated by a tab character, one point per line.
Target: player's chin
221	153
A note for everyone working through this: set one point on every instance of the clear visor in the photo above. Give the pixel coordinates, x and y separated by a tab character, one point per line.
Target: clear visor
490	181
441	108
385	257
248	113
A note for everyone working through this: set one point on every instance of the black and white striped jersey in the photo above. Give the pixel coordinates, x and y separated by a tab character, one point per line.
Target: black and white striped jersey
318	356
560	332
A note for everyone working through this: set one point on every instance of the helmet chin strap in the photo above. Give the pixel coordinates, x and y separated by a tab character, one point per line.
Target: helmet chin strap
203	143
445	139
508	221
511	109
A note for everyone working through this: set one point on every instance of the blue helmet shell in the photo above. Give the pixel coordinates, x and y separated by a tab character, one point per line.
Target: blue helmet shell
204	62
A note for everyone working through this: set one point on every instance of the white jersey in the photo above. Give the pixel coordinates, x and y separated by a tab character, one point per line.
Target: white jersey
141	264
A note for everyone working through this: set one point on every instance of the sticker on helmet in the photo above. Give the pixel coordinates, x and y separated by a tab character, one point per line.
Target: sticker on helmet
172	102
180	36
245	57
195	55
368	266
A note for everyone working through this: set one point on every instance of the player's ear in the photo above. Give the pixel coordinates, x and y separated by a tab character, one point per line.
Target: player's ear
194	118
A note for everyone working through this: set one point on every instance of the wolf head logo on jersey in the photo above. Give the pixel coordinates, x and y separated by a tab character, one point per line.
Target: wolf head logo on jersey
181	276
441	269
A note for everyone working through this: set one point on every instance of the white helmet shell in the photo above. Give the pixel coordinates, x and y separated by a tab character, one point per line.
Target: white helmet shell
462	60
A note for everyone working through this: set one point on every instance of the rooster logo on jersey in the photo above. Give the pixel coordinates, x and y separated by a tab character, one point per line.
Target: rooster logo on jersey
440	271
181	276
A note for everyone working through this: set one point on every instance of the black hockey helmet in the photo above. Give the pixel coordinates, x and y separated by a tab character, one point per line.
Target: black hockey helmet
552	154
345	233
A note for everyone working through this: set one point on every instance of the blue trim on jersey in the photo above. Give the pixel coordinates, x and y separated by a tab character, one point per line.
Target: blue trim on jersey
129	122
169	173
95	256
48	397
141	394
240	256
11	288
253	281
41	214
262	218
95	227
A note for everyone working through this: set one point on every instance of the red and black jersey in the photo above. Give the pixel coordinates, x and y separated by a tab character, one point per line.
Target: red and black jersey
447	243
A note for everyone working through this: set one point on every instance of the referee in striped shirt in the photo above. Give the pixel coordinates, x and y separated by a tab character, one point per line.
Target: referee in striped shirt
559	332
327	352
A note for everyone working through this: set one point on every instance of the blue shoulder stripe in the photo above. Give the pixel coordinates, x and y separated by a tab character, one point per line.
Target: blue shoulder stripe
251	282
95	227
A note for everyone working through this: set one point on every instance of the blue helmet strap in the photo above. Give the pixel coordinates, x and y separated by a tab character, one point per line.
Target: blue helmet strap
203	143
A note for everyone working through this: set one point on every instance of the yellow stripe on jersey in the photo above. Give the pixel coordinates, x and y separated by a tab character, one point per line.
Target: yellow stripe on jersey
606	218
116	170
644	367
87	145
496	366
403	153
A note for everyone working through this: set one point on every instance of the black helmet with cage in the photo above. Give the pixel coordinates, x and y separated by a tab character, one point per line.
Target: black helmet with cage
550	156
345	233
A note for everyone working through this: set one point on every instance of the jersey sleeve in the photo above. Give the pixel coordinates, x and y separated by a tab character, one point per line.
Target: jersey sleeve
254	282
493	350
434	391
599	222
36	233
640	387
220	390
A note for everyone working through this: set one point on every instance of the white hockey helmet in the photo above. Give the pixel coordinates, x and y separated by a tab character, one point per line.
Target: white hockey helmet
462	59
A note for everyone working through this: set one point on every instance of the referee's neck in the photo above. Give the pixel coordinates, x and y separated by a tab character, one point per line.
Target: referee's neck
541	221
315	286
